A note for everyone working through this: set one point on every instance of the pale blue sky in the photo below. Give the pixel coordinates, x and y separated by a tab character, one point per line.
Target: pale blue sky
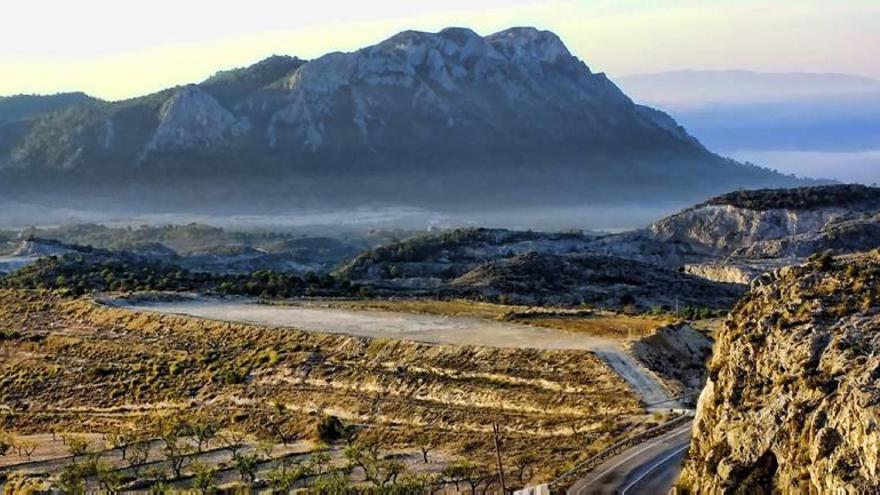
116	49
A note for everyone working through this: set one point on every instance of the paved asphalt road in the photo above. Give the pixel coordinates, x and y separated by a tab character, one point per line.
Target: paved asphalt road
650	468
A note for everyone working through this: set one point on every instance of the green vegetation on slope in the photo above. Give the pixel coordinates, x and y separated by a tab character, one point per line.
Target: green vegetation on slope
78	274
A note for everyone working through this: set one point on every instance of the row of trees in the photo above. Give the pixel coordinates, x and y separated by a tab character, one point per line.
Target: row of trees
167	448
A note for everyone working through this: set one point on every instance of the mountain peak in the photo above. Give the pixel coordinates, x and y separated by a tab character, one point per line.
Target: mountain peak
191	118
523	43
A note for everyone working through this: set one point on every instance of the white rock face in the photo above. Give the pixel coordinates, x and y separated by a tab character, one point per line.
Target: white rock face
193	120
737	271
39	247
725	228
447	75
792	401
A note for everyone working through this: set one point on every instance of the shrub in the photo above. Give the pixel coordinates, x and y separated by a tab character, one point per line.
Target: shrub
330	428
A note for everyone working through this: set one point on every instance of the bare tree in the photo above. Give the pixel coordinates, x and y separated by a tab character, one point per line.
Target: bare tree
233	441
26	448
366	453
524	463
138	456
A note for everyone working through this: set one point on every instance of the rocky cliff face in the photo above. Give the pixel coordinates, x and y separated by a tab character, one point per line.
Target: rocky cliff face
792	402
192	120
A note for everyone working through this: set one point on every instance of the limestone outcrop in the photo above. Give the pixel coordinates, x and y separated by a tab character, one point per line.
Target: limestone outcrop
792	401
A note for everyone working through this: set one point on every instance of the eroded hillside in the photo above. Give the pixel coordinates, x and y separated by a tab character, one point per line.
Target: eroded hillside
792	402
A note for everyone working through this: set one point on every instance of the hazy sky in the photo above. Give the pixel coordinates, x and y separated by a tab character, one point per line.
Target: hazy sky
116	48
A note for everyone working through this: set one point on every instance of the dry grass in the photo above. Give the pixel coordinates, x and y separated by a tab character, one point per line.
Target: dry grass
455	307
74	365
603	324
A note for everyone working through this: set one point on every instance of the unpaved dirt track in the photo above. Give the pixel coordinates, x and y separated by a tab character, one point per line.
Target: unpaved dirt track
435	329
649	389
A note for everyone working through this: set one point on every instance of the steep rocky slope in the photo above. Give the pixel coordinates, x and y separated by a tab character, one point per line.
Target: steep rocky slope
679	354
792	402
449	118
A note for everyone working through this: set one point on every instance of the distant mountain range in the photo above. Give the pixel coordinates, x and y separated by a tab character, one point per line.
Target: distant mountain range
448	120
740	110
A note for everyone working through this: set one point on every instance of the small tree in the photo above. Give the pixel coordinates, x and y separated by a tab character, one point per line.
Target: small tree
427	442
467	472
333	483
265	449
121	439
319	463
523	463
176	452
246	464
366	454
109	479
203	431
138	456
283	477
77	445
205	478
72	480
233	441
26	448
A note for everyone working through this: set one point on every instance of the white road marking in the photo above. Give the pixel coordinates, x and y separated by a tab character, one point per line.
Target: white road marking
652	468
623	461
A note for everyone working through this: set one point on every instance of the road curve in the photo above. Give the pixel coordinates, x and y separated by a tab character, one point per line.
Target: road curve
650	468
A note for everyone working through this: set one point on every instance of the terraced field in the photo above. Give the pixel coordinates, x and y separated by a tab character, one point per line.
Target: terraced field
77	366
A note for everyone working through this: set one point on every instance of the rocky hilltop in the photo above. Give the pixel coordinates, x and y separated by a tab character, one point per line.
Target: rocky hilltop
447	118
737	236
792	401
603	281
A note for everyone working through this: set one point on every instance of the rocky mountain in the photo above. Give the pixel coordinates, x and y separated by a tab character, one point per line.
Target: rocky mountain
792	399
450	119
